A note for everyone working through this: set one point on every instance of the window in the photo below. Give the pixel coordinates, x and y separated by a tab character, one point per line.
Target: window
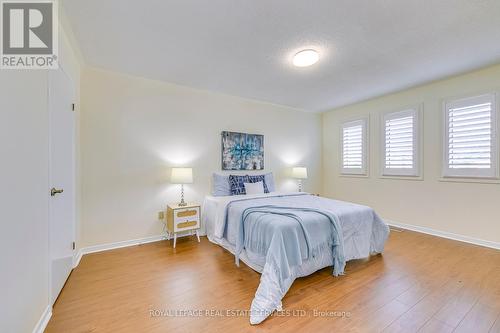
354	138
470	143
400	143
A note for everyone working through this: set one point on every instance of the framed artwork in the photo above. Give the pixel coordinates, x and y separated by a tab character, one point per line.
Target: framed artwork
242	151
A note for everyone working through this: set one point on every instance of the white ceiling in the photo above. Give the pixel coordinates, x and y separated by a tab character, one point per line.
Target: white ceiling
244	47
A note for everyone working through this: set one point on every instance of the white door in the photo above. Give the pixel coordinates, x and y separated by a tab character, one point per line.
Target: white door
62	179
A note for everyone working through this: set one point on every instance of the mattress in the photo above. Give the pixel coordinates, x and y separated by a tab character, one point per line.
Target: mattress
359	222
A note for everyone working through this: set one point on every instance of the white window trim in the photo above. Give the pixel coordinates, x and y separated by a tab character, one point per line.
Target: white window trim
471	175
416	171
363	171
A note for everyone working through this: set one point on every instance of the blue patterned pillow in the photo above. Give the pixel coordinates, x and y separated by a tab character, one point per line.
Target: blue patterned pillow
237	184
259	178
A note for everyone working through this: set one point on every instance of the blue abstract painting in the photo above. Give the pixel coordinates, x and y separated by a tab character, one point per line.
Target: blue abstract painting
242	151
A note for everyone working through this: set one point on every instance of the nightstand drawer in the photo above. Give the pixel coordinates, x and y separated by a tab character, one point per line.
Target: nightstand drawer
187	225
187	214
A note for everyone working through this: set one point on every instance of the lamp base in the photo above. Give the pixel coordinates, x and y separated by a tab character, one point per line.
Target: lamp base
182	203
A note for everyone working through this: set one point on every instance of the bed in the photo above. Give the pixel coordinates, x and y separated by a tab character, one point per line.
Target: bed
288	235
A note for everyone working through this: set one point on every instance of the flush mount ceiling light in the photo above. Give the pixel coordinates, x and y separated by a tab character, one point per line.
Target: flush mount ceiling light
305	58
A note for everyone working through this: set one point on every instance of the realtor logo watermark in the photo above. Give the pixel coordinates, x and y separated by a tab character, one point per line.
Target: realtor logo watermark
29	34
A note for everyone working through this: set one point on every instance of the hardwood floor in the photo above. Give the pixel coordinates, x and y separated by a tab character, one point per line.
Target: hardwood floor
421	283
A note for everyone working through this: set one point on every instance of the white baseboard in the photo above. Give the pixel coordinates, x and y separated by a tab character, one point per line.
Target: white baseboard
117	245
112	246
77	256
444	234
44	320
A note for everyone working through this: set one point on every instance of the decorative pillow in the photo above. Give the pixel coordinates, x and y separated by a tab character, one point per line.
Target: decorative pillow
259	178
237	184
254	188
269	180
221	185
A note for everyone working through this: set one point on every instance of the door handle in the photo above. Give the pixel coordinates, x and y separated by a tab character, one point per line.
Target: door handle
54	191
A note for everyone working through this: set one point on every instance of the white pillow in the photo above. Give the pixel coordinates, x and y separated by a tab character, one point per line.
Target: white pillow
254	188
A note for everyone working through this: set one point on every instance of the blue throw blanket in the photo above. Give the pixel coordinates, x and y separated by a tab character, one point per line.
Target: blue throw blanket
289	235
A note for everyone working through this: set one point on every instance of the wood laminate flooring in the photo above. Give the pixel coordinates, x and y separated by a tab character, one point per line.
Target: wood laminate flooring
421	283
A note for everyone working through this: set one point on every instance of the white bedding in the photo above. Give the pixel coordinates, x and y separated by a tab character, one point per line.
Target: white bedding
363	233
213	216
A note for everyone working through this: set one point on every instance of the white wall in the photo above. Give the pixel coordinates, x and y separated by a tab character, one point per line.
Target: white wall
467	209
24	148
23	199
133	130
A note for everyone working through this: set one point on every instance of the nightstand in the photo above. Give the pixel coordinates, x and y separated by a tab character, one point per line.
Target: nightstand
182	219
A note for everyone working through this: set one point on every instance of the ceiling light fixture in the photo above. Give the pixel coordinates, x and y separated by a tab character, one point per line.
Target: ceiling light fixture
305	58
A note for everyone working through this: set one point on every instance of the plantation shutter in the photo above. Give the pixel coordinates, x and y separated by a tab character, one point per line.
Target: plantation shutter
470	138
400	143
354	147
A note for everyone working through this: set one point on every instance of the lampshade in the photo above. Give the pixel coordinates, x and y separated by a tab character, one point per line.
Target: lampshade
299	173
181	176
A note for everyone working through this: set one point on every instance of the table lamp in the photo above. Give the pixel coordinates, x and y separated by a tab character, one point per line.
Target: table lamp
299	173
182	176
